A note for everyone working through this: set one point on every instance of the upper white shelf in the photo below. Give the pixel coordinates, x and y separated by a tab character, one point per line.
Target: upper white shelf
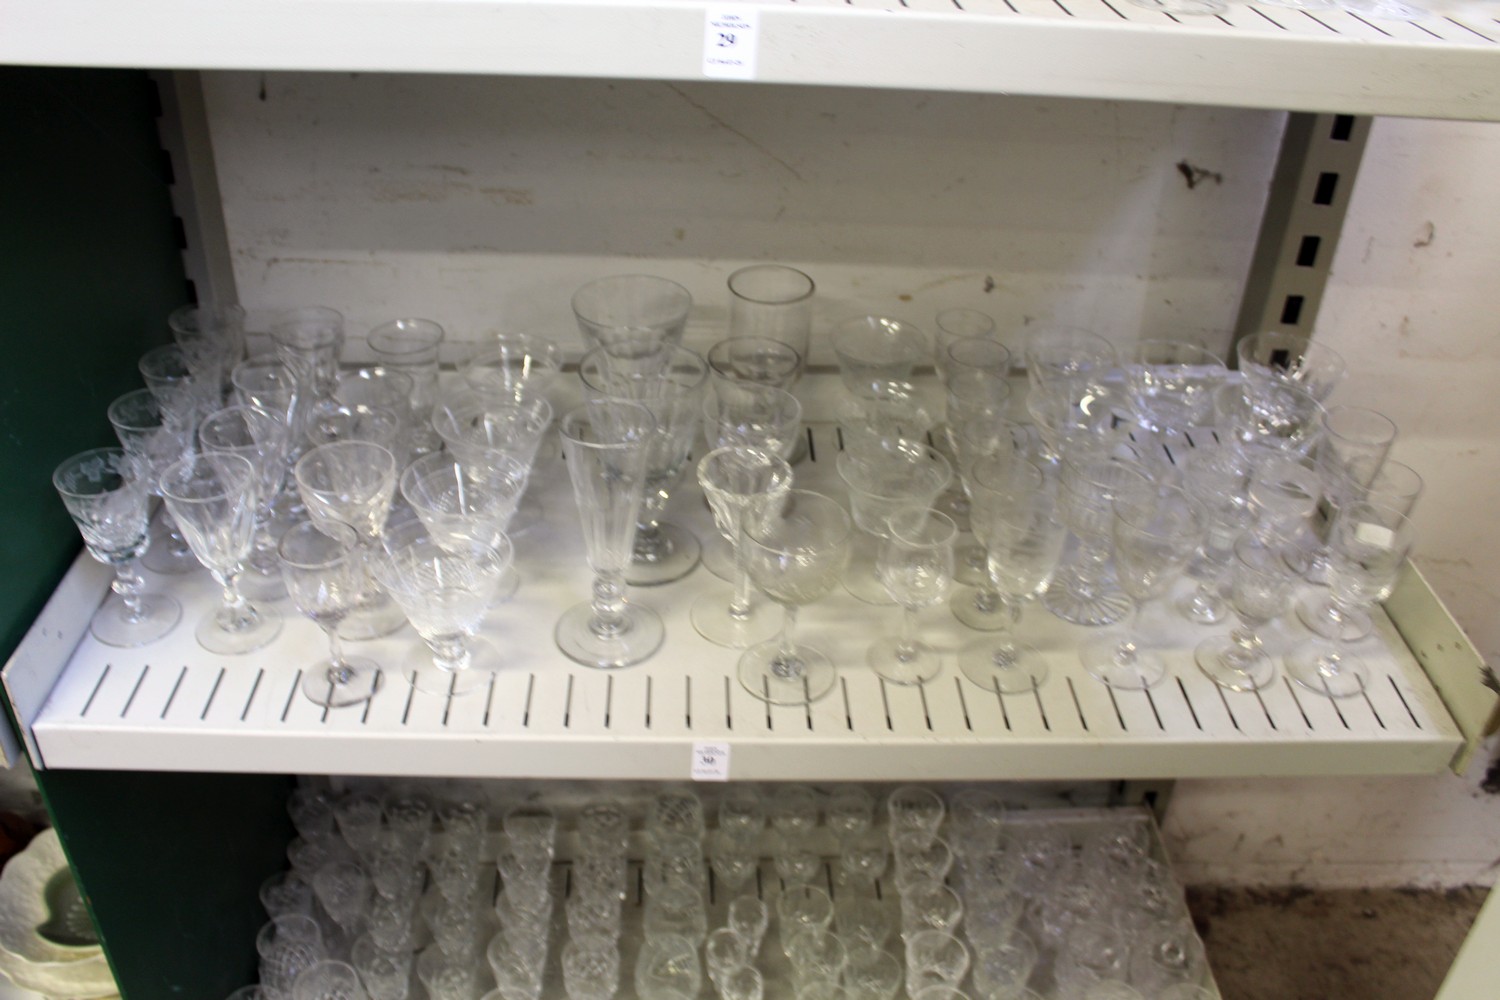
1445	65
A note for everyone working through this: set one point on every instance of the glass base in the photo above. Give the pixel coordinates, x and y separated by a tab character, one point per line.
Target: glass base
673	559
169	555
970	563
1120	663
718	558
803	679
1092	602
1351	627
1231	666
159	615
711	618
918	663
1003	665
484	661
378	616
966	608
323	684
862	579
639	636
1327	670
1203	609
262	625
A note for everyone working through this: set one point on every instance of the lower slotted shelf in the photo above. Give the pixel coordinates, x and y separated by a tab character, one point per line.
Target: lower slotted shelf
171	706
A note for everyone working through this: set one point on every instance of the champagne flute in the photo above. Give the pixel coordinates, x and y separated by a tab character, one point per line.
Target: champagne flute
742	486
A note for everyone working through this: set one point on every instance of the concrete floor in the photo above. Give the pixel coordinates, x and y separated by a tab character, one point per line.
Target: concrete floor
1357	944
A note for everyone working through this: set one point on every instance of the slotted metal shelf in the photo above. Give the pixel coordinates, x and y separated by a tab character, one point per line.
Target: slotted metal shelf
171	706
1442	65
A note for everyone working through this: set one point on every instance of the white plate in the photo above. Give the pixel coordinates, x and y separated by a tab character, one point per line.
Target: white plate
30	960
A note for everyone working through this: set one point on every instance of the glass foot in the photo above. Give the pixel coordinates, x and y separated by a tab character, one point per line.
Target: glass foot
159	615
1092	603
638	636
1327	670
1002	665
327	685
799	680
484	661
1230	665
711	618
917	663
1121	664
260	626
970	606
1350	626
169	554
673	557
718	558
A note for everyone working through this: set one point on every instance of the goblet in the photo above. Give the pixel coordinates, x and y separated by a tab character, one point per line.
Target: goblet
796	557
1278	358
329	421
308	340
673	392
1368	545
742	486
106	494
752	415
1354	446
386	389
272	386
444	590
1023	541
1260	586
605	443
1171	383
471	424
156	437
892	412
212	339
632	316
875	349
181	398
1277	414
514	367
902	476
916	565
213	499
773	302
1059	357
1156	532
287	945
260	437
411	346
324	570
459	502
1085	591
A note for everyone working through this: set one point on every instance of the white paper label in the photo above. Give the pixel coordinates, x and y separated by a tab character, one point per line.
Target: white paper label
730	35
1377	535
710	761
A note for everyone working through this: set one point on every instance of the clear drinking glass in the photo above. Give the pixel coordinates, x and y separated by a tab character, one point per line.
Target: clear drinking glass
156	436
463	501
213	499
876	349
1061	357
324	568
1218	478
758	360
632	316
916	565
902	476
958	324
1085	591
1171	384
411	346
272	386
329	980
1260	586
513	366
212	339
261	437
773	302
753	415
673	392
287	945
1278	414
1279	358
606	443
106	493
796	556
308	340
742	485
165	371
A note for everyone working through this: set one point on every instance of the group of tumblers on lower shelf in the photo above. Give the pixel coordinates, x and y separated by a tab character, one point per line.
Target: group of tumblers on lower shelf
848	893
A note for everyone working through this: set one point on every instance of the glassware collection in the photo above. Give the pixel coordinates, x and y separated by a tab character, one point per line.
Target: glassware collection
849	893
1135	473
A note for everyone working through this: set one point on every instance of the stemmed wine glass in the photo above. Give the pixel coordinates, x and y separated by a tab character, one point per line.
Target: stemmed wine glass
632	316
262	438
155	436
411	345
1156	530
1278	358
1260	586
742	485
1171	384
324	570
213	498
902	475
212	339
1368	546
916	565
461	501
308	340
106	493
1092	476
605	443
796	555
1023	541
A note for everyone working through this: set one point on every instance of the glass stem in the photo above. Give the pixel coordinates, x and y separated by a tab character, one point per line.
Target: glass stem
1127	650
128	584
786	664
236	613
608	604
906	644
450	653
739	605
338	669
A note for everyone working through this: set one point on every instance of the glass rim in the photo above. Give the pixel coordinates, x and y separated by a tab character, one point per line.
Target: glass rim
125	465
783	270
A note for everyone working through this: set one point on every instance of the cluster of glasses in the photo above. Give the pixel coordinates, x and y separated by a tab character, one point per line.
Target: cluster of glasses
387	892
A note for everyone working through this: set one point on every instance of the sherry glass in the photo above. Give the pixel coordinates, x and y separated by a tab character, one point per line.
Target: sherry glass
1156	530
772	302
904	475
796	556
155	436
916	565
268	384
106	493
742	486
876	349
673	392
632	316
1368	546
1260	586
461	501
411	345
324	570
212	339
379	388
605	443
166	373
309	340
1275	358
260	437
1023	541
213	498
444	590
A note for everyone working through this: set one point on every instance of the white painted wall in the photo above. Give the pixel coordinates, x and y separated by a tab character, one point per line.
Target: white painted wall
484	202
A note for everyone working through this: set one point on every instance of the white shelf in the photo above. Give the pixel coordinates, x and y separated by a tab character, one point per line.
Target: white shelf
172	707
1446	65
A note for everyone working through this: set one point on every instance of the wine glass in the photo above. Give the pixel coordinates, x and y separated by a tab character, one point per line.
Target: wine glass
260	437
796	555
308	340
875	349
1156	530
471	424
605	443
742	485
1260	586
515	366
772	302
1059	357
751	415
1219	479
1277	414
1171	383
1279	358
1354	445
269	384
324	570
1023	541
958	324
1093	475
758	360
632	316
411	345
916	565
444	590
213	498
996	473
212	339
166	373
156	437
673	391
903	475
105	491
380	389
460	501
1368	546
